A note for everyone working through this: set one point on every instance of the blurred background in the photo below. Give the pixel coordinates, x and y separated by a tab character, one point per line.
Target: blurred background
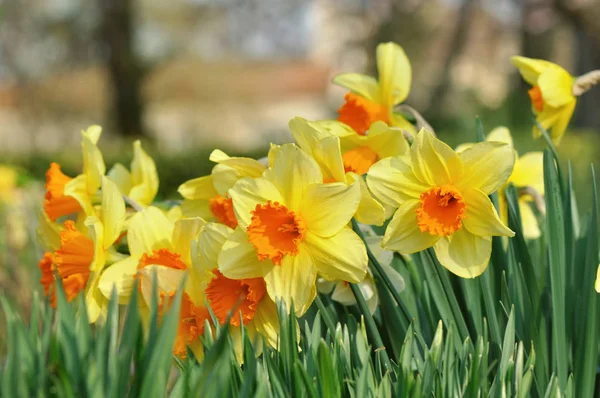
190	75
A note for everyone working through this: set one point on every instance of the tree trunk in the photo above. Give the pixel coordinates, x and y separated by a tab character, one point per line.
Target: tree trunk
124	68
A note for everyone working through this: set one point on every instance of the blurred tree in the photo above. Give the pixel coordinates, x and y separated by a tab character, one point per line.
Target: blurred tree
116	35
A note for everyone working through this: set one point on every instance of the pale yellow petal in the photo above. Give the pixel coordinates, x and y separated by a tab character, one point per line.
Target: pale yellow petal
434	162
184	231
463	147
113	212
399	121
529	171
369	210
307	133
93	132
93	163
487	166
119	275
403	234
249	192
500	134
266	321
392	181
562	121
529	222
481	217
293	170
149	230
121	176
464	254
143	176
556	85
386	141
385	257
530	68
327	208
294	281
48	233
365	86
95	302
197	208
395	73
597	284
211	241
342	256
96	233
238	258
77	188
167	280
198	188
246	167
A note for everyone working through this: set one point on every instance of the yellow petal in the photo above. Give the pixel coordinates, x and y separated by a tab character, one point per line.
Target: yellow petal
149	230
386	141
434	162
487	166
293	170
238	259
336	128
198	188
78	189
365	86
306	133
531	229
403	234
547	119
113	212
398	121
293	281
95	302
196	208
395	73
529	171
121	176
392	181
167	280
93	133
143	175
481	217
119	275
531	68
249	192
464	254
327	208
342	256
211	241
96	233
463	147
184	231
266	321
562	121
597	284
229	170
500	134
369	210
93	163
556	85
48	233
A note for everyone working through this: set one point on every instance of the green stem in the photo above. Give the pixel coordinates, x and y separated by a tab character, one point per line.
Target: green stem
372	327
379	272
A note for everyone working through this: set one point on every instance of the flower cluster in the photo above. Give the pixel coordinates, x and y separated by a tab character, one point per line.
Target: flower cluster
255	232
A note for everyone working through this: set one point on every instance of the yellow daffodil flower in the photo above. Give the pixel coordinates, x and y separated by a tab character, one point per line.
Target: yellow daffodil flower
141	184
442	200
80	257
8	183
346	157
65	195
597	284
207	197
551	96
371	100
527	176
341	292
291	226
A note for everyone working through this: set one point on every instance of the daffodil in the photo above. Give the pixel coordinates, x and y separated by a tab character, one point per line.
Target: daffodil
207	197
346	157
292	227
141	184
371	100
8	183
340	291
442	200
66	195
552	97
81	256
175	252
597	283
527	177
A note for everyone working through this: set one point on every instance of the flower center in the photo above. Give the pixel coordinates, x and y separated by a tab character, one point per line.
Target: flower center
228	295
164	257
56	204
73	259
46	266
359	160
441	211
536	98
275	231
222	208
191	321
359	113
